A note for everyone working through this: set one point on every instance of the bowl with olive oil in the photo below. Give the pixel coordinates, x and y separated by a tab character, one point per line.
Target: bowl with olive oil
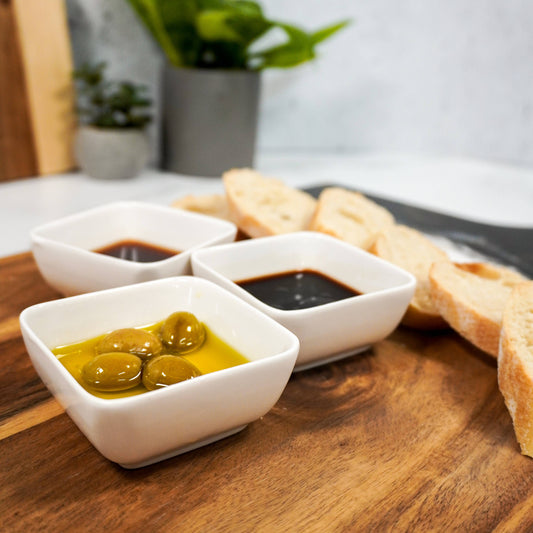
122	243
336	298
156	369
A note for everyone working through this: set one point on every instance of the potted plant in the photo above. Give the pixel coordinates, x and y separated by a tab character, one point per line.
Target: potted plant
111	141
212	76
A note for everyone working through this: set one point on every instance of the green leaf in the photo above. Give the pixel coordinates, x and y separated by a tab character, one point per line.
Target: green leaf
248	8
325	33
149	13
144	12
109	104
91	75
297	50
219	34
232	25
179	17
213	26
249	28
203	5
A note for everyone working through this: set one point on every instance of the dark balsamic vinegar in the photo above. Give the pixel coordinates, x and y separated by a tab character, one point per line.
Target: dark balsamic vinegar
297	289
137	251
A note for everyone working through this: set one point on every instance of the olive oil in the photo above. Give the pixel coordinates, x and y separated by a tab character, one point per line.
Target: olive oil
213	355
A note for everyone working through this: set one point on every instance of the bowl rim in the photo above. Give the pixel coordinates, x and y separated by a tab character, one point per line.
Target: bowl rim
227	228
339	305
123	402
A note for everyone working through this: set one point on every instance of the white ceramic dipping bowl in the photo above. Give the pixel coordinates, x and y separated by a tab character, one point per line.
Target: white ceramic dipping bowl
63	249
139	430
326	332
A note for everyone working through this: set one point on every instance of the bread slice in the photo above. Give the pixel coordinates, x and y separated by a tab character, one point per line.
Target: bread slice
214	205
471	298
515	363
350	216
262	206
414	252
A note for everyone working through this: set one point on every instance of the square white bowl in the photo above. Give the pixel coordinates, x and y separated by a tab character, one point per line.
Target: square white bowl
63	249
140	430
326	332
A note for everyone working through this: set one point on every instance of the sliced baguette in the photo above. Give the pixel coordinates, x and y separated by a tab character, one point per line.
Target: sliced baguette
262	206
471	298
515	363
414	252
350	216
214	205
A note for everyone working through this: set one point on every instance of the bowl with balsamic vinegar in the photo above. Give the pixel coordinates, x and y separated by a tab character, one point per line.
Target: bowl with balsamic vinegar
336	298
122	243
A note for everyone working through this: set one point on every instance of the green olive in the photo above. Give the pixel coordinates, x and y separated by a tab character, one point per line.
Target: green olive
131	340
114	371
181	332
167	369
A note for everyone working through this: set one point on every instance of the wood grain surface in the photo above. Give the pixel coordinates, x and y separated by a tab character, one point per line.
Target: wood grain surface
18	157
49	80
37	115
412	435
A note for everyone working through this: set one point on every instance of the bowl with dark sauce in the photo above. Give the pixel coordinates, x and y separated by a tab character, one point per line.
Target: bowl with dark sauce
156	369
336	298
122	243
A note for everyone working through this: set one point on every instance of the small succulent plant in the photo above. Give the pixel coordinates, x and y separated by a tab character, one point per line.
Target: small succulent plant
110	104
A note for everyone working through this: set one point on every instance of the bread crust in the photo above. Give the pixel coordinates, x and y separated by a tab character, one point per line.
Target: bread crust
414	252
471	298
515	363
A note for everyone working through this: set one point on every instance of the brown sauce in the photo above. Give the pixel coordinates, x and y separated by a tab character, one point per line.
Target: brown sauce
137	251
299	289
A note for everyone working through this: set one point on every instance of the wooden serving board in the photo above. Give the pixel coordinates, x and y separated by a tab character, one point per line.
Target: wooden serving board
412	435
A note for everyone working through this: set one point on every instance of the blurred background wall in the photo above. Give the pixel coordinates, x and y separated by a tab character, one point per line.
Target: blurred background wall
446	78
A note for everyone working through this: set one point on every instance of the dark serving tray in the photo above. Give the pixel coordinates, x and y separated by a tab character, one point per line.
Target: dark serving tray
505	245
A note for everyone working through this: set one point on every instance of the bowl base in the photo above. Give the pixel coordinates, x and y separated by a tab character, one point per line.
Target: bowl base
336	357
184	449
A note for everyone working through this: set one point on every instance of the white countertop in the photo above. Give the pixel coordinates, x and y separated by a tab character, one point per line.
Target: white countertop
472	189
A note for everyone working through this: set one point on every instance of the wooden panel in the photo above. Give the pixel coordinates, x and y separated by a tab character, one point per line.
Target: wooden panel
36	89
17	153
412	435
47	57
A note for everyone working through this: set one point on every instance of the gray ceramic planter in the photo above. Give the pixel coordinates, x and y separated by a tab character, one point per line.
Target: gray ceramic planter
209	120
111	153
